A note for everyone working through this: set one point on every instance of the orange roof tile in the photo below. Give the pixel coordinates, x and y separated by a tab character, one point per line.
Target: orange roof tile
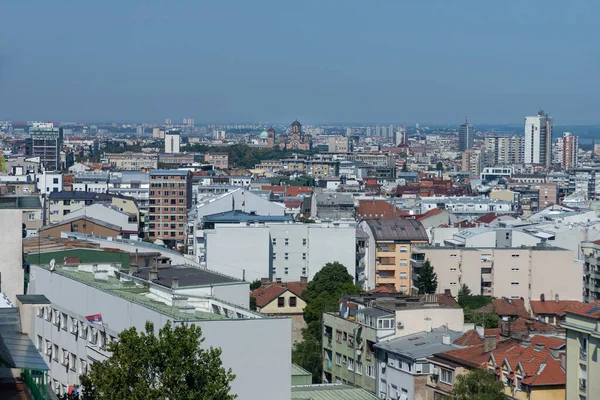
589	310
510	307
552	307
269	292
295	191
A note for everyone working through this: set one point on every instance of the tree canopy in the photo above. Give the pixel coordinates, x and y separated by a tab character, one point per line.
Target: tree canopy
471	303
427	279
478	384
322	295
171	365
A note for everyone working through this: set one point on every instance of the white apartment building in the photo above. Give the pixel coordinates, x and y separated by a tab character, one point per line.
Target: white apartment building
94	182
515	272
70	343
48	182
134	184
538	139
466	206
172	142
279	250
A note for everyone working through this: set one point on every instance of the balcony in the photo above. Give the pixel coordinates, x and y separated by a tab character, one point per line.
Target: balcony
486	291
486	277
385	249
582	384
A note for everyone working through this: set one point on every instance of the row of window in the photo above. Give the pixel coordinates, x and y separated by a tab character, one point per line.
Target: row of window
166	217
167	193
167	201
286	270
286	241
357	366
166	209
85	331
166	225
286	256
293	301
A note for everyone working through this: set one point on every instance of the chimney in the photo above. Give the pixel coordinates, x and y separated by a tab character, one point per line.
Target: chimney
303	279
489	343
480	331
133	269
427	324
153	274
446	339
540	346
264	281
447	292
175	283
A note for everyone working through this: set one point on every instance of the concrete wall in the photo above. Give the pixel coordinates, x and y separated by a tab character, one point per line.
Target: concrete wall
12	278
243	342
329	244
233	249
91	228
555	272
414	319
103	213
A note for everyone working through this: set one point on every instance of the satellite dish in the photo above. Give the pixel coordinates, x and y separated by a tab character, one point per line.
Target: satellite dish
52	264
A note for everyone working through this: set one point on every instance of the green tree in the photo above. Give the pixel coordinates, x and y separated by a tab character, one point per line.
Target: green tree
404	167
478	384
321	295
252	303
171	365
439	166
463	293
255	284
487	319
427	279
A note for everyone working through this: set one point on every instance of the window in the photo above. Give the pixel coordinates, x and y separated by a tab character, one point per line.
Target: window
403	262
63	321
281	302
402	275
303	242
515	255
403	249
39	342
287	241
514	283
351	364
370	371
304	256
345	336
55	180
344	360
293	301
55	352
31	217
359	367
514	269
338	359
286	256
446	376
73	362
274	256
286	270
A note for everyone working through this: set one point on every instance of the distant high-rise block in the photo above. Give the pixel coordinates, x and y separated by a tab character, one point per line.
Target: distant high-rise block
466	135
172	142
538	139
46	142
565	152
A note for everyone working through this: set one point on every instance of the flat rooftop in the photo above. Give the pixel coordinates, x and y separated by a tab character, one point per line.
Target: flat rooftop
187	276
20	202
135	294
331	392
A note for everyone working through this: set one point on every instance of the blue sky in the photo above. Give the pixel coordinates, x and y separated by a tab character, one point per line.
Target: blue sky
318	61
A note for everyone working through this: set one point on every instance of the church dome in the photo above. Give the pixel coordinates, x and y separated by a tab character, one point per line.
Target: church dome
264	135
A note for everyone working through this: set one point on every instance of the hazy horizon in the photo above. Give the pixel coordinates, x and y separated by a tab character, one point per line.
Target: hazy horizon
319	62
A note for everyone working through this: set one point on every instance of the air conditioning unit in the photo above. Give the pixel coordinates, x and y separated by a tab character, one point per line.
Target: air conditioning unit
400	325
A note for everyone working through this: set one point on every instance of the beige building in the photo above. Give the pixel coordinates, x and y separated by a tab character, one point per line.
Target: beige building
132	161
582	324
387	260
283	299
82	224
338	144
517	272
60	204
219	160
472	161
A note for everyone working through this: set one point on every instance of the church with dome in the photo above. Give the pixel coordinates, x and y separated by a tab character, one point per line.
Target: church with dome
294	138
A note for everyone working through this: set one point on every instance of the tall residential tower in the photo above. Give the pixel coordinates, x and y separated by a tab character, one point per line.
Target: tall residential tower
538	139
465	136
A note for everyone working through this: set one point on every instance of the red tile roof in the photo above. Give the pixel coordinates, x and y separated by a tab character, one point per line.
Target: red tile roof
269	292
430	213
510	307
472	338
372	209
488	218
383	289
293	203
552	307
589	310
532	359
528	325
277	189
295	191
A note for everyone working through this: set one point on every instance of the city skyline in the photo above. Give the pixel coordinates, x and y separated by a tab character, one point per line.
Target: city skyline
330	64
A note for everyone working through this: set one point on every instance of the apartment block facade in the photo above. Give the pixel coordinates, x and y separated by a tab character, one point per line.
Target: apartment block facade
46	142
132	161
514	272
386	255
583	344
169	201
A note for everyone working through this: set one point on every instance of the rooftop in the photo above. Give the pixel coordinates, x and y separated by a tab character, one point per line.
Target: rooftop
174	172
83	218
187	276
421	344
20	202
130	292
269	292
588	310
331	392
398	229
553	307
236	216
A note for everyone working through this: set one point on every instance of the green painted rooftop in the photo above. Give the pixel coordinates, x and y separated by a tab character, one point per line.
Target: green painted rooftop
298	370
134	294
20	202
331	392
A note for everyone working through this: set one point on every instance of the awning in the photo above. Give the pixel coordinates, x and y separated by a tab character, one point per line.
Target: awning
17	350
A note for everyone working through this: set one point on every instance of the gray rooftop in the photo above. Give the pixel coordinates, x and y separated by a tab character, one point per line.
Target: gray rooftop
33	299
20	202
331	392
374	312
236	216
421	344
398	229
187	276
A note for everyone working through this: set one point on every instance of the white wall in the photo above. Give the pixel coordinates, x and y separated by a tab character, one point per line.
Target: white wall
244	342
11	243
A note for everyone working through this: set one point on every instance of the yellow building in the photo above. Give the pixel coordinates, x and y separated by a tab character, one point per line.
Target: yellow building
389	244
